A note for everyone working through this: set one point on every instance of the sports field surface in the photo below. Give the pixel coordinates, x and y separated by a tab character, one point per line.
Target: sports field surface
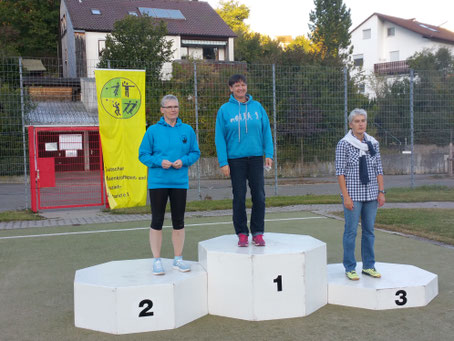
37	267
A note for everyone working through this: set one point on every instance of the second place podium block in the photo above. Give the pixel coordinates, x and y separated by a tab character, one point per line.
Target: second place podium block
284	279
123	297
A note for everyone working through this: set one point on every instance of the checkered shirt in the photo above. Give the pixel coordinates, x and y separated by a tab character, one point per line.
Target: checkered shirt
347	164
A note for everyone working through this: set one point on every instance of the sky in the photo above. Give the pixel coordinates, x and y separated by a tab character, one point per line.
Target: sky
291	17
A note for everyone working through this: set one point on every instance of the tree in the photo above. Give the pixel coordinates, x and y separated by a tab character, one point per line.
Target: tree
433	103
250	47
234	14
329	25
135	41
29	27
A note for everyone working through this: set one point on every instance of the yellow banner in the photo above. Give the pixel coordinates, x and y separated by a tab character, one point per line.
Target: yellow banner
121	111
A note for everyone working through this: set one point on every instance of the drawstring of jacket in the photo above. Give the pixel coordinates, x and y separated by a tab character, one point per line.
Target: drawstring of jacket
239	120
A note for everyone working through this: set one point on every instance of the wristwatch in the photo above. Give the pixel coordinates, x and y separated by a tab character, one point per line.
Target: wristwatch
381	192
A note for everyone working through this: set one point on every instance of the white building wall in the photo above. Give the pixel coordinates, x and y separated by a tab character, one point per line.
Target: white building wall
91	50
230	49
68	45
377	49
176	46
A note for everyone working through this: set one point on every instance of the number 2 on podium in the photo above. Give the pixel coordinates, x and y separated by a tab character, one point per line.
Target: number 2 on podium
278	281
146	311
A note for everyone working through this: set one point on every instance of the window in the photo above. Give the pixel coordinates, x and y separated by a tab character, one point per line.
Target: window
358	60
63	24
362	88
367	33
101	46
429	28
133	13
391	31
210	53
394	56
161	13
95	11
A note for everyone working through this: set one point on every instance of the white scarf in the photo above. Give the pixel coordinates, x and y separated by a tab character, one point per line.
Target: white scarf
363	147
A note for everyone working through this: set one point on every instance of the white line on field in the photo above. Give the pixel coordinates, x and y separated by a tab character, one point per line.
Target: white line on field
142	228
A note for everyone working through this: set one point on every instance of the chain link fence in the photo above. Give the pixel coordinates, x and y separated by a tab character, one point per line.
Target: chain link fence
411	114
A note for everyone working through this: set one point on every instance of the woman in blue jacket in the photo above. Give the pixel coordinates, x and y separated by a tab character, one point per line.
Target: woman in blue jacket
243	137
168	148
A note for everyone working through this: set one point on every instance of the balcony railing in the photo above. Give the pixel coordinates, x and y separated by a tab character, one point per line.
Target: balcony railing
391	68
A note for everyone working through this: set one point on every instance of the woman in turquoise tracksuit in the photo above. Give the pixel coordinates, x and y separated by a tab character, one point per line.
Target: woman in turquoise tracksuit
168	148
243	137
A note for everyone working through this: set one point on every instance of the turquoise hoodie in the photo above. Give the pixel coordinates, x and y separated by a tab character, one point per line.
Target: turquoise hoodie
164	142
242	130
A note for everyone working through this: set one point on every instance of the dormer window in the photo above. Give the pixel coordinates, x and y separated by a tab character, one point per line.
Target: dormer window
95	11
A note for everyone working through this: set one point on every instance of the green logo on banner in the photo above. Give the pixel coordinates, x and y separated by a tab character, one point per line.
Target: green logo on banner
121	98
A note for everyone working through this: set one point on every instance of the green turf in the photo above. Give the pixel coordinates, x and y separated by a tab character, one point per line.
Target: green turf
419	194
37	274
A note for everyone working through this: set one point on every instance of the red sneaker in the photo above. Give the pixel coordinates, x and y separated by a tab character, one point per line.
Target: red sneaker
243	240
258	240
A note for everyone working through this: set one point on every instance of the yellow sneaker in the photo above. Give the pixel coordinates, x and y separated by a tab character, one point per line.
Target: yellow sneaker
371	272
352	275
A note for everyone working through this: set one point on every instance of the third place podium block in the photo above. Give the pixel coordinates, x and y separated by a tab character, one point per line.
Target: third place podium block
401	286
286	278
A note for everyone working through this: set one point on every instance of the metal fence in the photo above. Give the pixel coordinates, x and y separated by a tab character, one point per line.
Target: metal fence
411	114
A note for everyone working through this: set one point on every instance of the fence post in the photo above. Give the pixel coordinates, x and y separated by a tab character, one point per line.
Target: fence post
22	109
345	101
197	127
275	129
412	157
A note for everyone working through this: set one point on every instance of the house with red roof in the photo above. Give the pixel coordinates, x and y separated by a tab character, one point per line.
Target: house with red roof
194	28
382	43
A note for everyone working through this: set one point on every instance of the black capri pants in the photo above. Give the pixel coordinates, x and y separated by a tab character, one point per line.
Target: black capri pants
158	199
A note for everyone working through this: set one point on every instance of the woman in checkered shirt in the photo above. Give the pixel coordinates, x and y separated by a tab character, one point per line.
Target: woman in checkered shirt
360	175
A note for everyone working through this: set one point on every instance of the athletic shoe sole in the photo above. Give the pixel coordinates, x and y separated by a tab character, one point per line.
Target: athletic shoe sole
181	270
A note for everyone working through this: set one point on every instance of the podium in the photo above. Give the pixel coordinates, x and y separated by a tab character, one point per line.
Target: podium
401	286
286	278
289	277
123	297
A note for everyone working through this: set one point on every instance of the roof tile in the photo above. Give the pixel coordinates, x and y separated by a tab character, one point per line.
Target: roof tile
201	18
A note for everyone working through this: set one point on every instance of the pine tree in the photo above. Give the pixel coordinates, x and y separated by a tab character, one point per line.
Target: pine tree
330	22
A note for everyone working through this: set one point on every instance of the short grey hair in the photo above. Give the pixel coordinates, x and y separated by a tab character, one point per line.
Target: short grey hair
355	112
167	98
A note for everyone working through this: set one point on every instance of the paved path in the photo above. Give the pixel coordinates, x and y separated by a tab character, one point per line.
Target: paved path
77	217
13	196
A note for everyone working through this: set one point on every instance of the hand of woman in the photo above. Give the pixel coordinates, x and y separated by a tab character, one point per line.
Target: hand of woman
225	170
268	162
166	164
381	199
177	164
348	203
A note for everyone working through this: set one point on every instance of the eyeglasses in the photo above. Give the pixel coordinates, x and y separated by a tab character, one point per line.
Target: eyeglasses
175	107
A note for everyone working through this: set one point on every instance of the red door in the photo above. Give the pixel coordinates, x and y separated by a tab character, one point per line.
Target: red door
65	167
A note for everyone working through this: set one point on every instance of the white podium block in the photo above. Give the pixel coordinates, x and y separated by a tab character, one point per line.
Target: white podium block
401	286
286	278
123	297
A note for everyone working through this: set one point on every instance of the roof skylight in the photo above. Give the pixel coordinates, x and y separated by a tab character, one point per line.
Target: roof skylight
429	28
95	11
161	13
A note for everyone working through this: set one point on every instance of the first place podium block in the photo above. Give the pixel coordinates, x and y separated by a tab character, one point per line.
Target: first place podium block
286	278
123	297
401	286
